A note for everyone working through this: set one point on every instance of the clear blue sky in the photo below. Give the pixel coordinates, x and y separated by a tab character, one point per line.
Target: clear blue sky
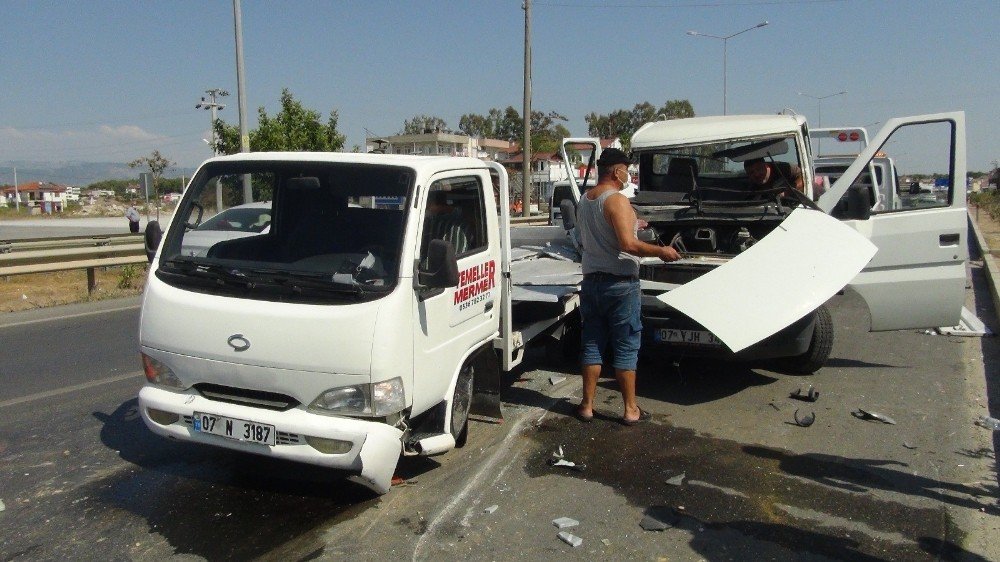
111	81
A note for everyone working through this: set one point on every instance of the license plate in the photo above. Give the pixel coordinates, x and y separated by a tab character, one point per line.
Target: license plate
689	337
240	430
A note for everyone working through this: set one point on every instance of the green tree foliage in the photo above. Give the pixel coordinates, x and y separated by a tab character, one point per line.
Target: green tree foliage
547	129
156	163
622	123
293	128
420	123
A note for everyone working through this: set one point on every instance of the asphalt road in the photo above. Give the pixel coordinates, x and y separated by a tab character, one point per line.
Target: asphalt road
81	478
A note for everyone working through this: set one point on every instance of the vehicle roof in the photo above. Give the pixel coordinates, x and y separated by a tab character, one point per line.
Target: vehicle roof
715	128
419	163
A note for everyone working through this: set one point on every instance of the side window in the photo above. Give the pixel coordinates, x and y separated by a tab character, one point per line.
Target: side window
455	213
921	154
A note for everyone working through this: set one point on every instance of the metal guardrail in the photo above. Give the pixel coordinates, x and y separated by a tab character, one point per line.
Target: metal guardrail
45	255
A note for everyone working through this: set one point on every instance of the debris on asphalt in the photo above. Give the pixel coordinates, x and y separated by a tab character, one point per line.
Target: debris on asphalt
775	406
988	423
872	416
676	480
658	518
606	542
908	445
554	380
491	509
563	522
2	506
558	453
570	539
804	421
810	395
567	464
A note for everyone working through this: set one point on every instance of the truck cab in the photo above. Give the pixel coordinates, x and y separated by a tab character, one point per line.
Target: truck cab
758	264
359	324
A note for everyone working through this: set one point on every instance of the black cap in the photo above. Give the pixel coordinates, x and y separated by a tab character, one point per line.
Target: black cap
612	156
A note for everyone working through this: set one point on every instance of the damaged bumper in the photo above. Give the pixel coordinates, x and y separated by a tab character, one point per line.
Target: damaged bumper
368	450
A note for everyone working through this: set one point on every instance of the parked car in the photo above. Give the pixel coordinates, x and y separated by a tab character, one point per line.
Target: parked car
235	222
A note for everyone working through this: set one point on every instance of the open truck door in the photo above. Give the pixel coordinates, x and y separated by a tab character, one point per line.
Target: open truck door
917	277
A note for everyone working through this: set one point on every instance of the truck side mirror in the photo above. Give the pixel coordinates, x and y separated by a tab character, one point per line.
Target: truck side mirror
151	239
568	211
441	269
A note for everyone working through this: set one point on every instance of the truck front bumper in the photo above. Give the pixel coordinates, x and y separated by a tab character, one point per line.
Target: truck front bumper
374	446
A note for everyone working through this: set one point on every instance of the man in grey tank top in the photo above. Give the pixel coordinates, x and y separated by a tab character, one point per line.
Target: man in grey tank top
610	298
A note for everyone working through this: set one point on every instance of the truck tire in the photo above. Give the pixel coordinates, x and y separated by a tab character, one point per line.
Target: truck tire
461	403
819	350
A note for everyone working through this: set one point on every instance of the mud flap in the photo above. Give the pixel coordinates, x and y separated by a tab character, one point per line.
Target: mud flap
486	387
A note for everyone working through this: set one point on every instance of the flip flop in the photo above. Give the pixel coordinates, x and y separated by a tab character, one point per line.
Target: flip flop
583	418
644	416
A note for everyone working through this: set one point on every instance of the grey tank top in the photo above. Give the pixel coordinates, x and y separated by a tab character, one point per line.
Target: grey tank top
600	245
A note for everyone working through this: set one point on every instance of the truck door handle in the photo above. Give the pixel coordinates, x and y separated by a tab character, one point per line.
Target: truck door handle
489	306
949	239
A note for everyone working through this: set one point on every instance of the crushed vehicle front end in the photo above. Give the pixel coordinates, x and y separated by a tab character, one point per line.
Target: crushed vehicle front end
269	343
695	195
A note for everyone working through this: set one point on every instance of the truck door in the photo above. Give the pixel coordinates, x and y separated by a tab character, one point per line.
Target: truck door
453	321
917	277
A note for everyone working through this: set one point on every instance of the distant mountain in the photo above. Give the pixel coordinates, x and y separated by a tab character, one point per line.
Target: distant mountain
79	174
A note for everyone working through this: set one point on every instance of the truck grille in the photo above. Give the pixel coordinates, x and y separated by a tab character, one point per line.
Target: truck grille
255	398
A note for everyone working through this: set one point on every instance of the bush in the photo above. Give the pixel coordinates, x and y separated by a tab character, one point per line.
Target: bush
988	201
129	274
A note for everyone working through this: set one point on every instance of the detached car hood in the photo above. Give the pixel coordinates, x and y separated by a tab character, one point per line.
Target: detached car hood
793	270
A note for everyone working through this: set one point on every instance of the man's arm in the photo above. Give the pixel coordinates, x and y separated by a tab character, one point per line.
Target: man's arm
618	212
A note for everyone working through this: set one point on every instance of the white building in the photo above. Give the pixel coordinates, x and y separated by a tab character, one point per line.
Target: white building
441	143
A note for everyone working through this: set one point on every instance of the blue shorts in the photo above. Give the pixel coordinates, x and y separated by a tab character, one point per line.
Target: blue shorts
609	309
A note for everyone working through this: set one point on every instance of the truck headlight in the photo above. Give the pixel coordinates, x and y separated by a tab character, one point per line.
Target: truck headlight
159	373
378	399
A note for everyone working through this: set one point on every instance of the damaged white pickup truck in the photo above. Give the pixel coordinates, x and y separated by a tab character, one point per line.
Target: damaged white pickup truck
760	261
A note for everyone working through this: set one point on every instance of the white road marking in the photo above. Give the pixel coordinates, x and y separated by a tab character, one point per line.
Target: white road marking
78	315
68	389
486	470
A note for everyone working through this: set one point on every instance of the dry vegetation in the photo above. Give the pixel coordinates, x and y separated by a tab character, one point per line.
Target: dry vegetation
24	292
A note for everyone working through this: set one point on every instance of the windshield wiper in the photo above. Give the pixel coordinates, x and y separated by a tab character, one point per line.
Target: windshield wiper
297	281
222	275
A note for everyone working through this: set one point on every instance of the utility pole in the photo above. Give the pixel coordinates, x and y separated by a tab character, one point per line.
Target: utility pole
17	195
214	106
242	95
526	148
725	56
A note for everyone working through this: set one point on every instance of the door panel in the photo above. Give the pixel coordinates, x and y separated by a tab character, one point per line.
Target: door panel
453	320
917	278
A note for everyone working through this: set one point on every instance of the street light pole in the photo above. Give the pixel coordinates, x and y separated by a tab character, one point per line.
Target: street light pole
214	106
242	95
725	57
819	104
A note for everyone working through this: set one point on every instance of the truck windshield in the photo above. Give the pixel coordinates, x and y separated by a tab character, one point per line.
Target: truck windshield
299	231
718	171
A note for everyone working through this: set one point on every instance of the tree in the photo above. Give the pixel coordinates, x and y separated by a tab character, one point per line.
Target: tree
623	123
156	164
507	124
421	123
293	128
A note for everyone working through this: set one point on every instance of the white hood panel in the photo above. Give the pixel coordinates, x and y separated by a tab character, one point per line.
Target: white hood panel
788	274
280	335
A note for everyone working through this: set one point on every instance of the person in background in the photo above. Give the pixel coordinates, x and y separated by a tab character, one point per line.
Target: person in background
610	298
772	175
132	214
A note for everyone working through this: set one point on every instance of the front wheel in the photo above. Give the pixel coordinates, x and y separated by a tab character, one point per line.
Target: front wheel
461	403
819	350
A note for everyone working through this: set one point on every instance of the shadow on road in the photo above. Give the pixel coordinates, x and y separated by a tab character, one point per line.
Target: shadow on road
224	505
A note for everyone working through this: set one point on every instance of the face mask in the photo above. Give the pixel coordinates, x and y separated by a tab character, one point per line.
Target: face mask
626	180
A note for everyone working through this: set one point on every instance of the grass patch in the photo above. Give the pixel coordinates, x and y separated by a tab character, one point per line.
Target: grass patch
39	290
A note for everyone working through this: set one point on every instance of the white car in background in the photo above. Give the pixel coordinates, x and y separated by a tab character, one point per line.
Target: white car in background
235	222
